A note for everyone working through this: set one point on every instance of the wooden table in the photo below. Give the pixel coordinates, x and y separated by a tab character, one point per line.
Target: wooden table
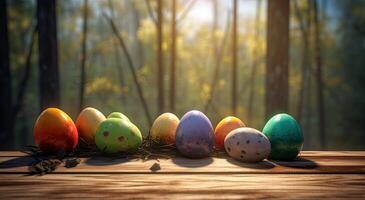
335	174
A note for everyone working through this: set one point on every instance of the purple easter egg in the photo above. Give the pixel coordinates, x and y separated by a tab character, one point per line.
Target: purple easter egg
195	135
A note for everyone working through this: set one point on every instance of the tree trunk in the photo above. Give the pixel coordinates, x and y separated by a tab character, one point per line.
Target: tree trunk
49	88
173	57
250	113
304	30
160	67
318	60
5	80
277	87
234	62
83	56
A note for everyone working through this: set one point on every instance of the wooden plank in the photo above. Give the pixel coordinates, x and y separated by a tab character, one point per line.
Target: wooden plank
303	153
308	165
12	154
333	153
183	186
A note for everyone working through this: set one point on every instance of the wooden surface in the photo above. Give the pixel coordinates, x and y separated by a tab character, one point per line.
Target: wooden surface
315	175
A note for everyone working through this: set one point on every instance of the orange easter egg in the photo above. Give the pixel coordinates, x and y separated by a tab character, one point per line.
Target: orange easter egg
224	127
55	131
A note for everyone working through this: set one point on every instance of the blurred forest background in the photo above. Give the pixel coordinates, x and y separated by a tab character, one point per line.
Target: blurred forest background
248	58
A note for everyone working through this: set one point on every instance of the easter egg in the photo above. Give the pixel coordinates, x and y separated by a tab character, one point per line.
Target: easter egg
195	135
224	127
118	115
247	145
285	136
87	123
116	135
164	128
54	131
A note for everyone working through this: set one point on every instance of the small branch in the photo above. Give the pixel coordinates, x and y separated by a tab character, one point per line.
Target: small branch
83	56
160	59
299	18
111	7
131	66
255	65
24	82
117	60
150	12
185	11
217	66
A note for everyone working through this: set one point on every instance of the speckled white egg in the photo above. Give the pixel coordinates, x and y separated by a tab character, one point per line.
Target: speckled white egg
247	145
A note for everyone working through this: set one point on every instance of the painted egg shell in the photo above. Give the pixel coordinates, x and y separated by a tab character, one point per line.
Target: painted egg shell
247	145
117	135
118	115
87	123
55	131
285	136
224	127
164	128
195	135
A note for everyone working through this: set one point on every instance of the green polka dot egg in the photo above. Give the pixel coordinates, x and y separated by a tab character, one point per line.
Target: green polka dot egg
118	115
117	135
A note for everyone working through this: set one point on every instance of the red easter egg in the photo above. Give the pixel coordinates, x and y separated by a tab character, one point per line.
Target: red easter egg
55	131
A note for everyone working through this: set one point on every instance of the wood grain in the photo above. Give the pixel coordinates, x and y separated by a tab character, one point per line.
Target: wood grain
183	186
316	175
310	163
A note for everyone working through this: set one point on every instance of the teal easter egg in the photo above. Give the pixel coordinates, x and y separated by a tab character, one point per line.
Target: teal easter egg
117	135
285	136
118	115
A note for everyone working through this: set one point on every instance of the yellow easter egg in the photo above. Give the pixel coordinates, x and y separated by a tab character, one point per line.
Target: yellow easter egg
88	122
164	128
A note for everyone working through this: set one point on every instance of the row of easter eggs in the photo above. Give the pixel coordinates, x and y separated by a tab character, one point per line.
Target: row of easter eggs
193	134
281	138
55	131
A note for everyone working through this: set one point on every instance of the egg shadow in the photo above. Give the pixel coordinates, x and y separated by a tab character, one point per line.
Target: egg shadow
192	162
259	165
18	162
297	163
101	160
